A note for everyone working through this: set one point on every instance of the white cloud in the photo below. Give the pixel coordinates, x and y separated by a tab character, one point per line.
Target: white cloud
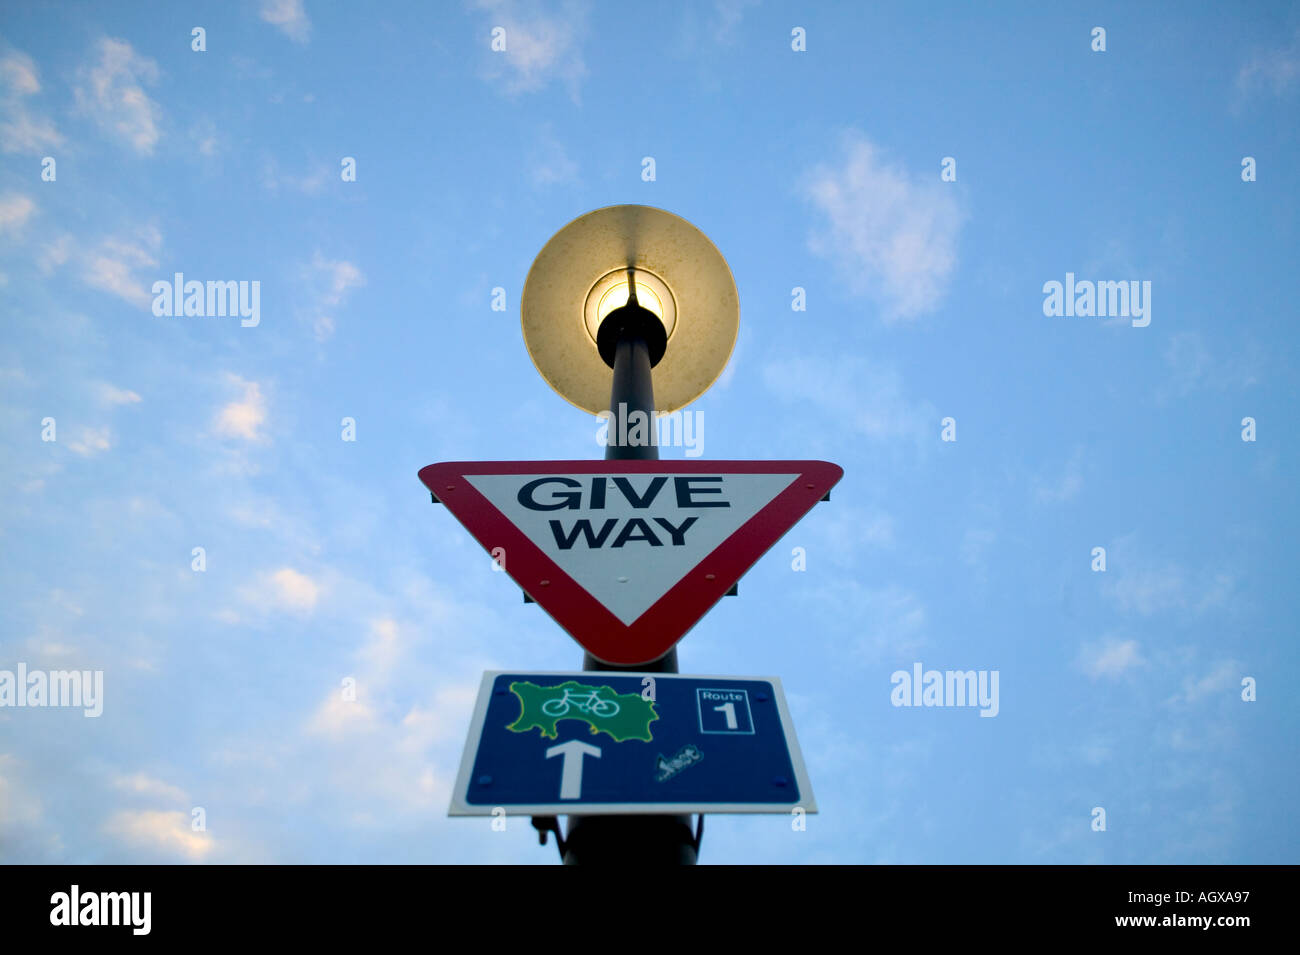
337	718
339	278
852	394
892	235
244	417
91	442
20	132
54	254
1225	676
112	395
1143	584
890	622
113	264
144	785
1067	486
19	806
15	210
18	73
308	183
282	589
1194	366
330	282
540	47
550	162
1153	589
288	16
1277	68
203	135
975	545
112	94
1110	657
166	832
727	17
293	590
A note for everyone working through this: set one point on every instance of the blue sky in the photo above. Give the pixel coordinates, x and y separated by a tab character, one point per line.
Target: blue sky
817	169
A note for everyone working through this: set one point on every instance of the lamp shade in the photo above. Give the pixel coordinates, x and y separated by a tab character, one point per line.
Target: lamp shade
581	274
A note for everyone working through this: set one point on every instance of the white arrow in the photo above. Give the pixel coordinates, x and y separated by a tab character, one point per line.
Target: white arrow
571	771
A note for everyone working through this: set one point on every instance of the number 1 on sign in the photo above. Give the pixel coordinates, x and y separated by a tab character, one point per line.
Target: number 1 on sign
729	711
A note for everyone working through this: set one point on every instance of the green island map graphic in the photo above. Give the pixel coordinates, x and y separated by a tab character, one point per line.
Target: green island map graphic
622	715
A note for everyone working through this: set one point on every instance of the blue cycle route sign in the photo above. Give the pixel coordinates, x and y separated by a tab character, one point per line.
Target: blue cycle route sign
599	742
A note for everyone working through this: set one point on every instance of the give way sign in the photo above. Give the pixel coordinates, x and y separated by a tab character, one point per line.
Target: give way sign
628	555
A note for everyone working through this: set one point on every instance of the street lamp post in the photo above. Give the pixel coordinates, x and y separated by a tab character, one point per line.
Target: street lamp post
632	341
676	310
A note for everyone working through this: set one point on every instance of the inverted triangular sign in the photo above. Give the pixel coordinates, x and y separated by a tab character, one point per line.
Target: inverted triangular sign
627	555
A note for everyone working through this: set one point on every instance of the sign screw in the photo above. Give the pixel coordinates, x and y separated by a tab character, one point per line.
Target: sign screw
780	781
485	780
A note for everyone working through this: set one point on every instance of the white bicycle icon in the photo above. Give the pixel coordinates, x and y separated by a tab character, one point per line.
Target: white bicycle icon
582	702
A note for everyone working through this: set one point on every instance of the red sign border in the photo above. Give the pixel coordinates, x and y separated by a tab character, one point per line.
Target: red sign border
667	620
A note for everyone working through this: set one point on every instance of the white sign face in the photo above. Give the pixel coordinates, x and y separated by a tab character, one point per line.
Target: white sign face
629	538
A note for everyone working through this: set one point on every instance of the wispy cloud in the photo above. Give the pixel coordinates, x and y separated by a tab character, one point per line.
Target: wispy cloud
164	832
1223	677
20	131
18	73
15	210
1152	589
540	46
294	590
141	784
339	278
892	234
728	15
1192	366
852	393
282	589
1139	582
1110	657
204	138
889	622
550	163
1066	486
54	254
289	17
109	394
330	282
1276	69
91	441
113	265
244	417
309	183
112	93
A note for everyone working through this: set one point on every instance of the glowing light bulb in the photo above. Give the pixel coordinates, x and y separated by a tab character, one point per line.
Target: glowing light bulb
611	292
617	297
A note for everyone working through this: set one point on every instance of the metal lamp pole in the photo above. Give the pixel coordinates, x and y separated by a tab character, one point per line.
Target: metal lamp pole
632	340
